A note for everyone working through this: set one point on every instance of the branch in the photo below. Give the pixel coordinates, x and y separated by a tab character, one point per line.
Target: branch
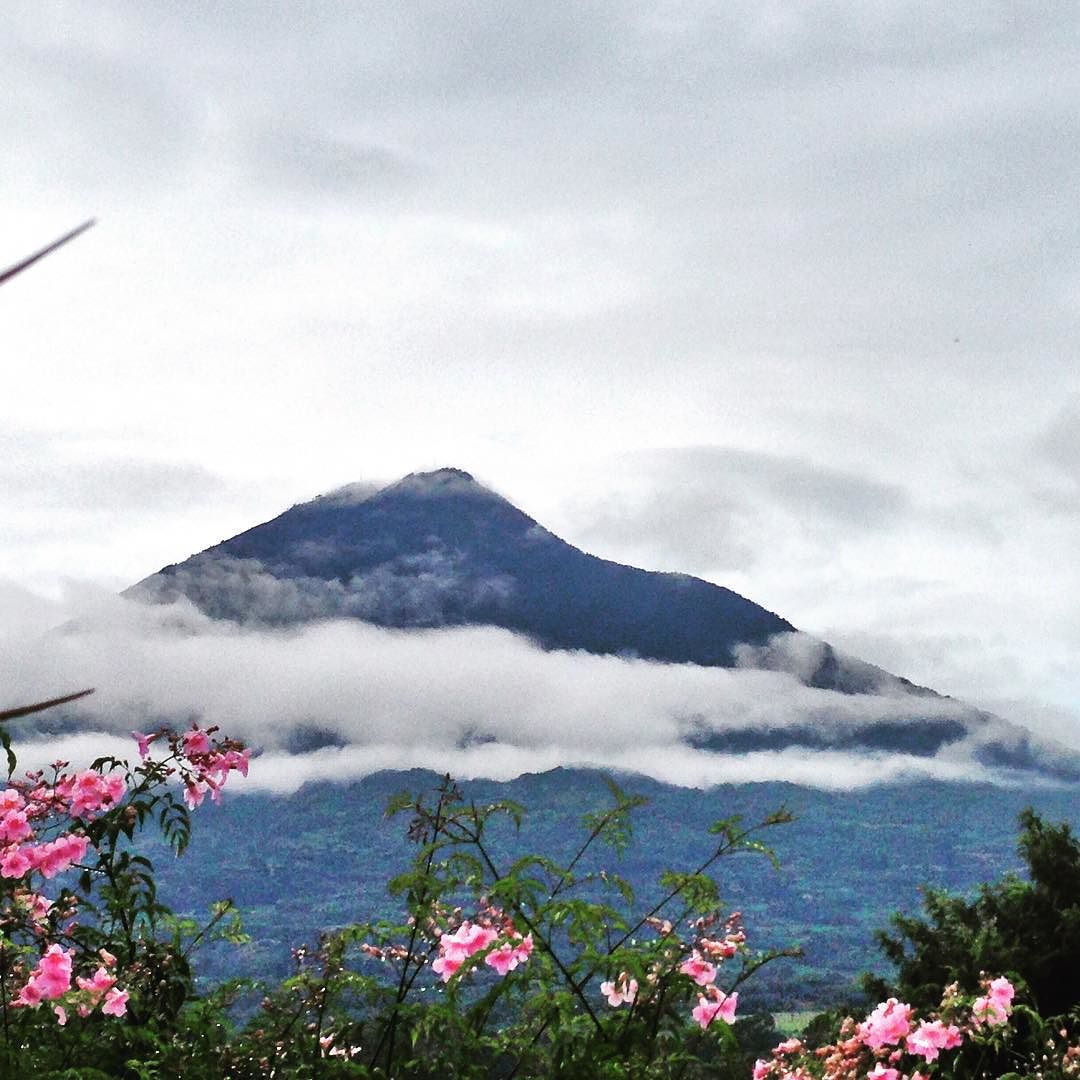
11	271
26	710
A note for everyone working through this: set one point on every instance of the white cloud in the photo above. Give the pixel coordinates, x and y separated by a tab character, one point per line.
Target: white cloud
477	701
683	767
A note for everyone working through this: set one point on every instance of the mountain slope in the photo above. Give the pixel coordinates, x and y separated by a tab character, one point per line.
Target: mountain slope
439	549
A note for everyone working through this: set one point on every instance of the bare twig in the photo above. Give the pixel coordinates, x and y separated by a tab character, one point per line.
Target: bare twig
26	710
11	271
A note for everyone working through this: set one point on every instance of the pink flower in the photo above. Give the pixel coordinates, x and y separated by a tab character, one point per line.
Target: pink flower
988	1010
762	1069
931	1037
55	968
50	979
37	906
882	1073
456	948
622	991
238	760
99	983
886	1025
10	799
196	742
446	967
1002	991
61	1015
469	938
706	1010
30	995
502	959
14	827
144	742
699	969
115	1002
90	791
510	954
193	795
725	949
55	857
523	948
15	863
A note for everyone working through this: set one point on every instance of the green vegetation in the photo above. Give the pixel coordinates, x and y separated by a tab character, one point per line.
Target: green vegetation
847	861
1030	929
495	959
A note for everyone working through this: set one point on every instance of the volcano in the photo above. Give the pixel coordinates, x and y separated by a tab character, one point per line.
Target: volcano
439	549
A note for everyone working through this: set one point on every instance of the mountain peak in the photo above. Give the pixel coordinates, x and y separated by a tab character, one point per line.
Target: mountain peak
446	481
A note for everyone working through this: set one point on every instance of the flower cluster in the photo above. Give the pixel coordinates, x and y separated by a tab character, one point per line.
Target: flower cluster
32	806
205	764
51	979
713	1003
46	828
620	991
893	1040
994	1006
711	948
493	934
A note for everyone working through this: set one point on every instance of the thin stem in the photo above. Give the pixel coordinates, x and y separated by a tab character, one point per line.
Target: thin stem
656	1019
316	1064
720	852
539	936
389	1032
581	851
532	1042
225	908
4	1001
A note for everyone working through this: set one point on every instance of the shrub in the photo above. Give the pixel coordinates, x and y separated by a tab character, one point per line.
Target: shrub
526	967
93	968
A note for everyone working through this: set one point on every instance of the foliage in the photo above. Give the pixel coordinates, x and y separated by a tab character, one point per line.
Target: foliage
989	1035
834	888
499	964
94	970
532	968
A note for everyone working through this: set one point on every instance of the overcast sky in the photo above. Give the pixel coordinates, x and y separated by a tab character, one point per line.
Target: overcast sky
783	295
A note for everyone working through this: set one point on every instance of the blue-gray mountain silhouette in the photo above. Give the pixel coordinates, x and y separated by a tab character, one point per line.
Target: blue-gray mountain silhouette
438	549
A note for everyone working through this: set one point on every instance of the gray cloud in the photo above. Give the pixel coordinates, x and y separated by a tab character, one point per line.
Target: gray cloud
1058	445
715	509
414	590
86	112
307	164
683	767
106	485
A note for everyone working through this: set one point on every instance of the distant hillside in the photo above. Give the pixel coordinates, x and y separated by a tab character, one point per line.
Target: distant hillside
846	863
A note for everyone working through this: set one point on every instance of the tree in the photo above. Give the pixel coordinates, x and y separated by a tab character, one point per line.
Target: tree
1028	929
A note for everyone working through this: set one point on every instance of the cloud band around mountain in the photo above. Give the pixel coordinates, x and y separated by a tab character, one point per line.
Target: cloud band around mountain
340	698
